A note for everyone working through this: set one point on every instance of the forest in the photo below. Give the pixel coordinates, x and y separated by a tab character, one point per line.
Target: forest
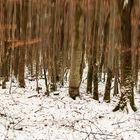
79	55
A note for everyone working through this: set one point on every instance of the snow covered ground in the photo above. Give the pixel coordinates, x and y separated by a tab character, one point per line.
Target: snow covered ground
25	115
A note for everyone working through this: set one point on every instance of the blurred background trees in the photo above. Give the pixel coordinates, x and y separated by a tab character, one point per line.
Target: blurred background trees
49	37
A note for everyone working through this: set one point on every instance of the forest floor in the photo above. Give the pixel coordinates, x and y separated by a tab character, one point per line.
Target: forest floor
26	115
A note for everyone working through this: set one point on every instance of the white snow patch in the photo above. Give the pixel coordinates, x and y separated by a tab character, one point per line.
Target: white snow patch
125	3
25	115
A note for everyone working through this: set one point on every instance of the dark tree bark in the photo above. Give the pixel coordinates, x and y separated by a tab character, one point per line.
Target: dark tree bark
127	83
23	26
108	86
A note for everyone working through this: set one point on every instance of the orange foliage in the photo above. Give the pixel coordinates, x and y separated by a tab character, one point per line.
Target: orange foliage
18	43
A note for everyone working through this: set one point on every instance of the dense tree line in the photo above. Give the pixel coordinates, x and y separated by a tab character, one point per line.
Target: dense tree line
49	37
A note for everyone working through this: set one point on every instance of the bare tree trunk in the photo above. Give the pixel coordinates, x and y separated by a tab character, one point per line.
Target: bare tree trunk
94	51
76	52
7	44
108	86
127	84
21	66
116	82
90	32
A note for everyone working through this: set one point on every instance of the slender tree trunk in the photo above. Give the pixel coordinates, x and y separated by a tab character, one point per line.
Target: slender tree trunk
94	50
108	86
105	40
89	77
21	66
90	32
7	50
116	81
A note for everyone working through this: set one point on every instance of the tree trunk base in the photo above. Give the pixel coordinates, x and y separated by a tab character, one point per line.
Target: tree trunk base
4	85
74	92
96	97
107	100
122	107
22	85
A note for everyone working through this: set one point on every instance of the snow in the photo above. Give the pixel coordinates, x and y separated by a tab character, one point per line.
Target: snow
125	3
25	115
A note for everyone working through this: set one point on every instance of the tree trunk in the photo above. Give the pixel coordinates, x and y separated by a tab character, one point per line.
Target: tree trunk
94	50
108	86
21	66
76	53
89	77
127	84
